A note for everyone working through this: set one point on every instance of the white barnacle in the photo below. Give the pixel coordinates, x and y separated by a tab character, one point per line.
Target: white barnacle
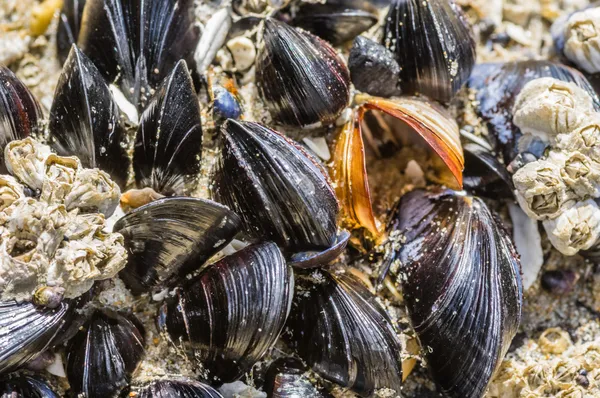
59	175
582	39
577	228
93	189
547	107
540	190
10	190
25	160
585	139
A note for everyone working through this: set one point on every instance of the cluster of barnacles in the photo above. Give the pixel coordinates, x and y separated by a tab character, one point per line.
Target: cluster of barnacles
560	188
52	219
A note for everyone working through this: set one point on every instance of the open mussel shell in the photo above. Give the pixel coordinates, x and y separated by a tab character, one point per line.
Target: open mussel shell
336	21
171	237
233	311
312	259
168	144
484	174
461	283
105	352
170	388
67	31
433	45
136	44
279	191
27	330
25	386
85	120
373	68
287	378
20	113
300	77
350	340
498	85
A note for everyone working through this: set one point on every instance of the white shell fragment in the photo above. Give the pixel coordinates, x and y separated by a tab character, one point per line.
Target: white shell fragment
582	39
576	229
59	239
243	51
213	38
559	188
546	107
528	243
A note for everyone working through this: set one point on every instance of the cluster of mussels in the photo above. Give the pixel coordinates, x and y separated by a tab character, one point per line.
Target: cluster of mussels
126	117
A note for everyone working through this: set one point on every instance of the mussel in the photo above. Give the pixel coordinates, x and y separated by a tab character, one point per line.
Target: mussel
498	85
279	191
233	311
433	44
25	386
169	388
171	237
103	354
168	144
69	23
300	77
85	120
461	283
336	21
27	330
20	113
137	43
287	378
350	340
484	174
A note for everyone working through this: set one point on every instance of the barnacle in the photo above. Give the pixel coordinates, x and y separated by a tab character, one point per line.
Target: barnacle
55	239
582	39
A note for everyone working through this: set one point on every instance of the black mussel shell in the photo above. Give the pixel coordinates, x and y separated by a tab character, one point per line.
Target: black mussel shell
137	43
373	68
20	113
180	388
461	282
313	259
484	174
24	386
336	21
343	333
233	311
26	330
103	354
498	85
559	282
433	45
85	120
280	192
286	378
69	23
300	77
168	144
171	237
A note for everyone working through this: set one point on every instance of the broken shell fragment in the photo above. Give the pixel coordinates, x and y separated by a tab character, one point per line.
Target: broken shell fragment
287	378
351	340
168	144
300	77
24	386
373	68
180	387
577	228
85	120
473	299
136	44
26	330
20	113
547	107
336	21
497	86
233	311
160	255
433	44
279	191
105	352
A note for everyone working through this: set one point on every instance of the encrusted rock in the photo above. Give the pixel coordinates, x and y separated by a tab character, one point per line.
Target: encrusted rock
57	238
